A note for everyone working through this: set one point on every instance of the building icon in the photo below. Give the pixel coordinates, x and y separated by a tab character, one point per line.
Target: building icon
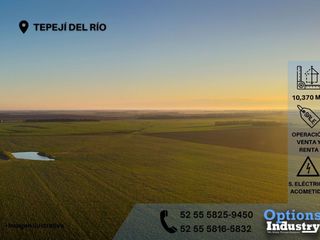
309	80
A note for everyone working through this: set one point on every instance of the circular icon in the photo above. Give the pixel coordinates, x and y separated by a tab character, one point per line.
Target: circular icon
301	85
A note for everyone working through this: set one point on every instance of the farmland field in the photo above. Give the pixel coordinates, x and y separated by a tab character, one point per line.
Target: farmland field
264	139
103	168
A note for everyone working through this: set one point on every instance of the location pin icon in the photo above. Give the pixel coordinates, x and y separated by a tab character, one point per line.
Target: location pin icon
23	26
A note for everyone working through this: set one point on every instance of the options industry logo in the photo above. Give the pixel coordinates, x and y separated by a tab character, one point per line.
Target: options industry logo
291	221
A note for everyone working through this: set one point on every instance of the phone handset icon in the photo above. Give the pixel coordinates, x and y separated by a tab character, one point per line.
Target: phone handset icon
163	215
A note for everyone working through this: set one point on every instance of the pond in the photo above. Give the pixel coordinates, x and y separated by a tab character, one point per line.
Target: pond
31	156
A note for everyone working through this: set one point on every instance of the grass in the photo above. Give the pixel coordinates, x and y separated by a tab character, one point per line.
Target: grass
4	155
265	139
104	168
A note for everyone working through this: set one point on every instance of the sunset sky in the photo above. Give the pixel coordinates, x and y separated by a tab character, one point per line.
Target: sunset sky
183	54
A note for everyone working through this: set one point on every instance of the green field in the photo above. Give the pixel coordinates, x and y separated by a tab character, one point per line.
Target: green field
103	168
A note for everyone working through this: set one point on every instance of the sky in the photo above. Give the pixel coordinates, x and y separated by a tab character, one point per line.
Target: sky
168	54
